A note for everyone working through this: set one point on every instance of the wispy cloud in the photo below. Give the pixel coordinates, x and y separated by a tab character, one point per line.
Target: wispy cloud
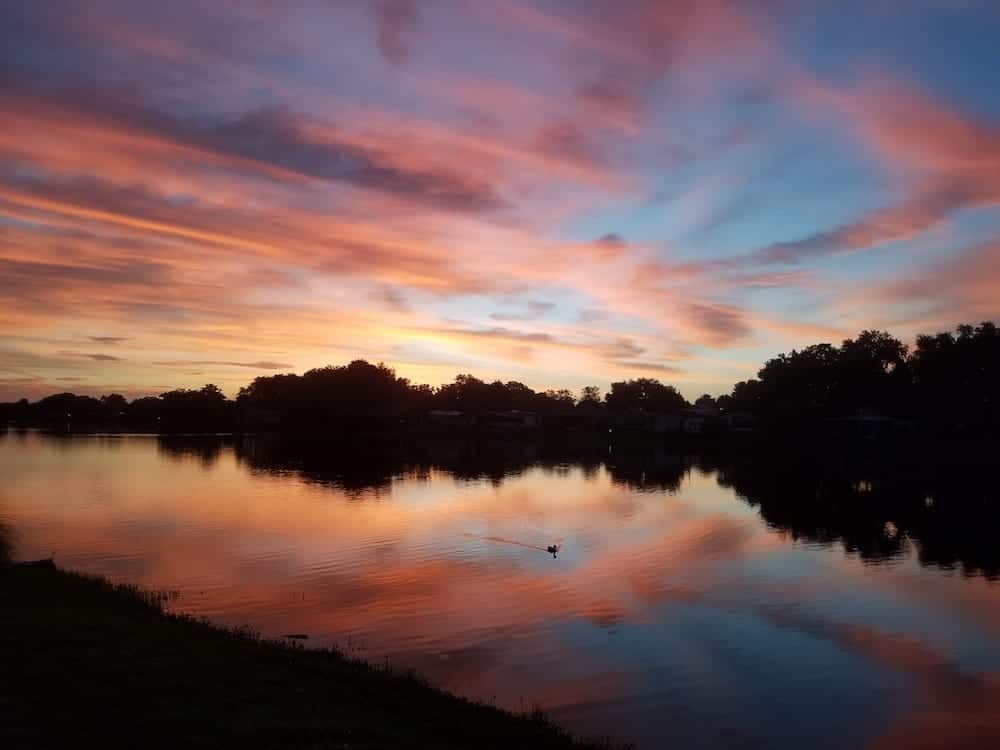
261	365
397	22
95	357
108	339
947	161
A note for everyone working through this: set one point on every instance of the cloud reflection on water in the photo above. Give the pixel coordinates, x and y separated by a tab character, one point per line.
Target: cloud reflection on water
666	590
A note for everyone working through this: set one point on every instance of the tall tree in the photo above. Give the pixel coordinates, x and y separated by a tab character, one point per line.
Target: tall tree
645	395
590	398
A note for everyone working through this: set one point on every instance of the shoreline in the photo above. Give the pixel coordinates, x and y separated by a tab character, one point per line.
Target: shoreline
88	659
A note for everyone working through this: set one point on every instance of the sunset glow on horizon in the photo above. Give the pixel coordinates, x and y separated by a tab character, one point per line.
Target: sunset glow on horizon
560	193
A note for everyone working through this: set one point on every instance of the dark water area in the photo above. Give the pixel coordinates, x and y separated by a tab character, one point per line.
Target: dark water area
700	596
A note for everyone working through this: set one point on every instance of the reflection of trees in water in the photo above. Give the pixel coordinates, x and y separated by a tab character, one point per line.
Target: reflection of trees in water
206	449
815	507
641	466
647	466
373	465
877	510
351	468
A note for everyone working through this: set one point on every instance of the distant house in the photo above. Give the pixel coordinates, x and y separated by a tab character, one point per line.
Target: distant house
692	421
695	424
630	421
700	421
571	421
511	421
738	422
450	418
663	424
256	416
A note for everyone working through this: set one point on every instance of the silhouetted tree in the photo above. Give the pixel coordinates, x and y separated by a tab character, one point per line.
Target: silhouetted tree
869	373
800	385
957	379
470	394
559	400
515	395
202	410
644	395
68	409
328	397
114	404
142	413
590	399
872	375
705	401
745	398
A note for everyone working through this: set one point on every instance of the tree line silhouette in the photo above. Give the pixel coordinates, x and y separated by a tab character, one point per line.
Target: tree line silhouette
949	383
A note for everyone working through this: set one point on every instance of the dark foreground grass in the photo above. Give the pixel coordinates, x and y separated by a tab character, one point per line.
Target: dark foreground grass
84	663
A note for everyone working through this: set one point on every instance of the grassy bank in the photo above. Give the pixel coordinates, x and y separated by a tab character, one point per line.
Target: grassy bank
86	663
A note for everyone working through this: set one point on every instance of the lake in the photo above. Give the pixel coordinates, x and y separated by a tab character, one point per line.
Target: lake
696	599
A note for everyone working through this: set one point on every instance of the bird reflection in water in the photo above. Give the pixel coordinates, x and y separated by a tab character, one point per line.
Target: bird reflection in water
552	549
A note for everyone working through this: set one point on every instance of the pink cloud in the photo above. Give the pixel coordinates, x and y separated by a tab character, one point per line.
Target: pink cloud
945	161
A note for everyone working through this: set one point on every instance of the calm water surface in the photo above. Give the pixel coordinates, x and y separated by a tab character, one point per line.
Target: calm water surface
693	603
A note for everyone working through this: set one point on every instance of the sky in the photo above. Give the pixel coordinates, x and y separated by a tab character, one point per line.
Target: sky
560	192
